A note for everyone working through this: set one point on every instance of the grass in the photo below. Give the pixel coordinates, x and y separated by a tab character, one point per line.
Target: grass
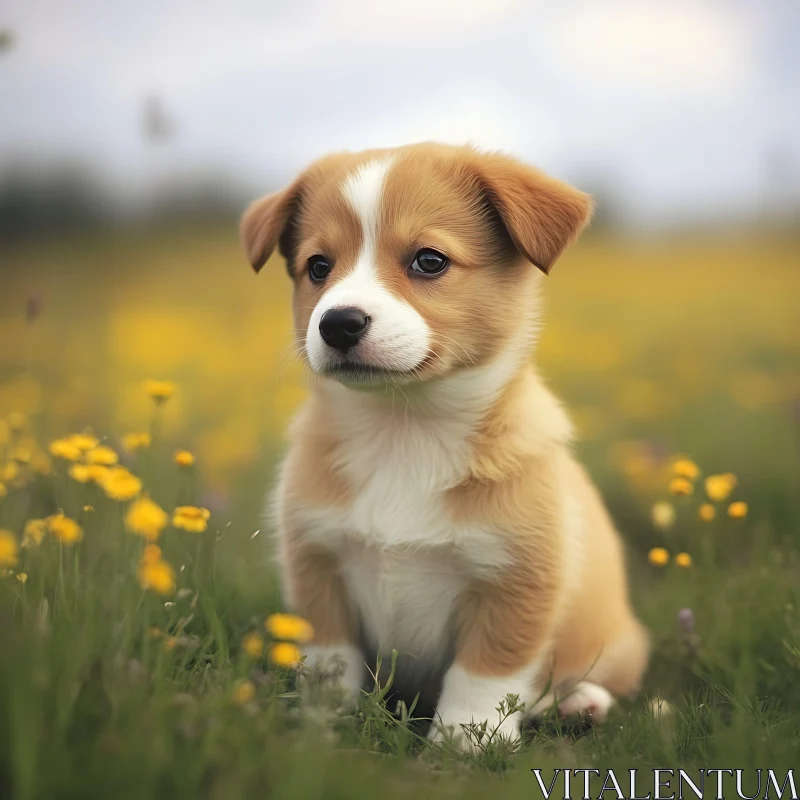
109	690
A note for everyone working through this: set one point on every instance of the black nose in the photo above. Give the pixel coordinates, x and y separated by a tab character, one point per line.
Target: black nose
343	327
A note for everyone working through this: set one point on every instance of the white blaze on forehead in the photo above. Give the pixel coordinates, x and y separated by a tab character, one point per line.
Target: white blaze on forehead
363	190
398	338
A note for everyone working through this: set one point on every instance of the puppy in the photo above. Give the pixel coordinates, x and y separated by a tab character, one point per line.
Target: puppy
429	502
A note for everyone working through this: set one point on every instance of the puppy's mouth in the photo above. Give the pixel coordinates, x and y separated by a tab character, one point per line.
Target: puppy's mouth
359	372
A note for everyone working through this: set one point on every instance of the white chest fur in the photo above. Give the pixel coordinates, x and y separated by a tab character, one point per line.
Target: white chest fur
404	560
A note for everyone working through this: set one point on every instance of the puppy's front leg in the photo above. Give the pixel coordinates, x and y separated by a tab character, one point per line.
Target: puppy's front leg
315	590
503	630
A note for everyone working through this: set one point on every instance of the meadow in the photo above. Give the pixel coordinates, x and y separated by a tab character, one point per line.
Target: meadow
146	377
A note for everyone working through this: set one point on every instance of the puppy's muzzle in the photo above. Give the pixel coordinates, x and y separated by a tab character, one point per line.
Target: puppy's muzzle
343	328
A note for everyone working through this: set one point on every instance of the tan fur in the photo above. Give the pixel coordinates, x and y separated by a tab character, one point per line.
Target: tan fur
559	601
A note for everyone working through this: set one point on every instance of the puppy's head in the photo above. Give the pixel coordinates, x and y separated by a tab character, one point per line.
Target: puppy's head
411	263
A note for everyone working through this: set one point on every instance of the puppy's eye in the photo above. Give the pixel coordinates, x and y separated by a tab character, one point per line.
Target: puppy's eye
429	262
318	268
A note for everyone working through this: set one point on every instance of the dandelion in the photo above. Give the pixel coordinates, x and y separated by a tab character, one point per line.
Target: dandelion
22	455
146	518
183	458
681	486
9	472
64	448
253	645
80	472
135	441
737	510
663	515
16	421
34	532
87	509
191	518
289	626
170	642
658	557
243	692
119	484
706	512
22	577
284	654
102	455
151	554
66	530
41	463
160	391
686	468
718	487
84	441
154	573
9	549
683	560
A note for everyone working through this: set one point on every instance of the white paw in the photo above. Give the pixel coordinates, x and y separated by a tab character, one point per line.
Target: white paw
341	666
464	727
470	700
587	700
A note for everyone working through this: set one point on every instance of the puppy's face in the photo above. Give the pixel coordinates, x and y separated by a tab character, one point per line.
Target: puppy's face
411	263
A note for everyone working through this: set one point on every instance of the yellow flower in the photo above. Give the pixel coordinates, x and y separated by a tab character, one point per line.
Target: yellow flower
22	577
681	486
135	441
289	626
16	421
658	556
707	512
160	391
66	530
119	484
64	448
737	510
41	463
683	560
9	549
155	633
253	645
34	532
88	509
170	642
191	518
151	554
9	472
22	455
243	692
663	515
156	575
685	468
102	455
183	458
80	472
84	441
146	518
718	487
284	654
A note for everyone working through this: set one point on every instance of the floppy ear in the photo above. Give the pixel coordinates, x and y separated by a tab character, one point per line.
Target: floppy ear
542	215
268	223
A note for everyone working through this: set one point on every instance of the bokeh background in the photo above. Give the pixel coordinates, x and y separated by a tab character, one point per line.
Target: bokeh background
132	135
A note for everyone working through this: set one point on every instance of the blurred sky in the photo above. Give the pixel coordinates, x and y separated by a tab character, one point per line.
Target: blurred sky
683	109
